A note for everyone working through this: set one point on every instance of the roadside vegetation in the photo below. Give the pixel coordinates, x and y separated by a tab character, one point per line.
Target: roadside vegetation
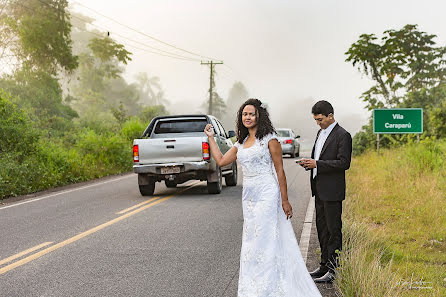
31	160
395	223
394	216
67	114
408	70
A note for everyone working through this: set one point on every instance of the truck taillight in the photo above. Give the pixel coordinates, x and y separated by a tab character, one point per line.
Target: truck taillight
206	155
288	141
135	153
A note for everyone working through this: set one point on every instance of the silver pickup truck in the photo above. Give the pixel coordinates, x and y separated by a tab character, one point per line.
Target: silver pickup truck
174	149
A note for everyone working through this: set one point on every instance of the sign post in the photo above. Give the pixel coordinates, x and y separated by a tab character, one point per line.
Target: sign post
397	121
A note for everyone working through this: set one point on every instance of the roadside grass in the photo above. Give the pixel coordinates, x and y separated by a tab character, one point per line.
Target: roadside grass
395	223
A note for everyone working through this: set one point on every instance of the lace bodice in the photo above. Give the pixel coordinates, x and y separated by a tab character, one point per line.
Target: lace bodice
256	160
270	261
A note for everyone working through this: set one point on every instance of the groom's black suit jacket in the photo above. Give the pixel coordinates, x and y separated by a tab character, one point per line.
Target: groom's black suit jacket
333	161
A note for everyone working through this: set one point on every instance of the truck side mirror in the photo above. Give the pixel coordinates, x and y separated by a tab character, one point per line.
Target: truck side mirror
231	133
297	136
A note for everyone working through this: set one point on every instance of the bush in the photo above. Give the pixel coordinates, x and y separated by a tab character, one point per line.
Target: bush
100	122
106	151
16	131
438	118
149	112
428	155
34	160
132	129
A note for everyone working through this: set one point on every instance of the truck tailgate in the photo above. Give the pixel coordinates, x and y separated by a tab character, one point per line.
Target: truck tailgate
169	150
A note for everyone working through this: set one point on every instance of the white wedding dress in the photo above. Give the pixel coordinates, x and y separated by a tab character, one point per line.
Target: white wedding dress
270	261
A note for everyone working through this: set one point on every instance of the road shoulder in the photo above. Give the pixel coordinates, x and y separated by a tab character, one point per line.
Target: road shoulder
12	200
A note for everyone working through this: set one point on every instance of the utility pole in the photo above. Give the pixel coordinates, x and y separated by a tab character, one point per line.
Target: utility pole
211	82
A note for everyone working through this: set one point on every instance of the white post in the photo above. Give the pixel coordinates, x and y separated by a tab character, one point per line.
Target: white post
377	143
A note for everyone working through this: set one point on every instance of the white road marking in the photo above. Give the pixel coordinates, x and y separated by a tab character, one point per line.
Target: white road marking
306	230
65	192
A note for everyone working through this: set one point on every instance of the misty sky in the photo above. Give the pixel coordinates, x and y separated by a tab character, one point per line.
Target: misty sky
287	53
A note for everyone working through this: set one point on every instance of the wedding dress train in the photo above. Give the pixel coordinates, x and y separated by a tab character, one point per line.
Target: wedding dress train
270	261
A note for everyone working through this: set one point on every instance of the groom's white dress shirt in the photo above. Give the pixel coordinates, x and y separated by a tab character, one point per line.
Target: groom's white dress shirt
320	144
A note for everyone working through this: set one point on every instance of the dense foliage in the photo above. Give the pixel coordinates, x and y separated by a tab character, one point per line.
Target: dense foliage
409	71
65	115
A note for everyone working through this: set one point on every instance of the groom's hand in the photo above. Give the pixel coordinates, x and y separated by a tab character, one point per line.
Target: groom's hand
308	163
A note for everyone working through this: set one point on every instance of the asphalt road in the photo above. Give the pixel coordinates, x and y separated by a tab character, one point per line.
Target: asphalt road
103	238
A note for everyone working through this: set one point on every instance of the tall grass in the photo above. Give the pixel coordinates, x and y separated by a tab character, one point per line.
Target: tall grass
395	223
365	268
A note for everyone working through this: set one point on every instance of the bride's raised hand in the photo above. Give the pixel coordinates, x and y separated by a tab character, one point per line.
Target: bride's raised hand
287	209
209	131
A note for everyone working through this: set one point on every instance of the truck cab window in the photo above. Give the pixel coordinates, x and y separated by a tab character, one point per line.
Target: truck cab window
222	130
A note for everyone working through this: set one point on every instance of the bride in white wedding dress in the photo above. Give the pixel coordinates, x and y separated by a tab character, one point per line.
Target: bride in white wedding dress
270	261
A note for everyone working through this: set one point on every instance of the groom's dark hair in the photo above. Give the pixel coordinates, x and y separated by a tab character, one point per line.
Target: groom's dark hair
322	107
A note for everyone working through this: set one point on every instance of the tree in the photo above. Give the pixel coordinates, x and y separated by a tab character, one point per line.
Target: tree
100	88
150	90
405	60
16	132
149	112
237	95
218	104
409	70
438	118
120	113
36	35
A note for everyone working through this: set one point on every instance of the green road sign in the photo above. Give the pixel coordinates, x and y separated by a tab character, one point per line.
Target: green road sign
398	121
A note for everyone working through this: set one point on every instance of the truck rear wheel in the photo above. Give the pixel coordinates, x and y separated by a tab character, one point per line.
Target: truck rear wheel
216	187
149	186
147	190
231	179
146	184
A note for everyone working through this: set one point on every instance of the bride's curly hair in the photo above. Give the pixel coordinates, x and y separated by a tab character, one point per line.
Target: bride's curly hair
264	125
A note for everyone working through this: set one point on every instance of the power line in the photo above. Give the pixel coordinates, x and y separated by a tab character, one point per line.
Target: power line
142	33
101	36
161	53
135	47
166	53
138	48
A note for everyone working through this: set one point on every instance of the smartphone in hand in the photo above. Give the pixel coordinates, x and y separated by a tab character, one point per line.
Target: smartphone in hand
300	161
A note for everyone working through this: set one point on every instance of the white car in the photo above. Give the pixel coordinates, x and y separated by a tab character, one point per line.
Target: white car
288	141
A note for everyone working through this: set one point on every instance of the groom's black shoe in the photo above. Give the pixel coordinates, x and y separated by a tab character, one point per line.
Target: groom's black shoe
327	278
319	272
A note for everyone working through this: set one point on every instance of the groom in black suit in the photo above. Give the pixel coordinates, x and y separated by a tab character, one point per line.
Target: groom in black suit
330	159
